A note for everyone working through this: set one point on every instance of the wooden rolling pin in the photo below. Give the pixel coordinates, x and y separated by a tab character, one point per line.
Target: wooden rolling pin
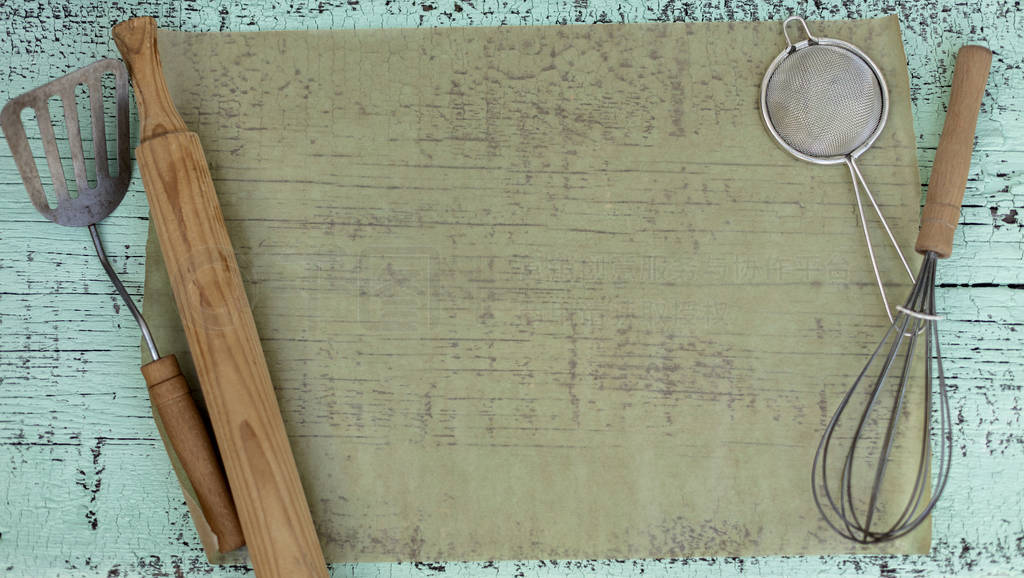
218	323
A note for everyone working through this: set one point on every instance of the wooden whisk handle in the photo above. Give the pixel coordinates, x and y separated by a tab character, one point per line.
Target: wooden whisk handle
953	158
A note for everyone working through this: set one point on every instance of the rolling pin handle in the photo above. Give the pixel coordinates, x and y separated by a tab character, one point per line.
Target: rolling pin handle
136	40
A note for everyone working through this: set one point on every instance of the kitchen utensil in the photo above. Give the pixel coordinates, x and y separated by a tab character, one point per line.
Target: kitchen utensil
824	101
218	322
168	390
880	514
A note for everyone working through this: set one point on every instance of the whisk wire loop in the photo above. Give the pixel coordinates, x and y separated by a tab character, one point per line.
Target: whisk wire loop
867	519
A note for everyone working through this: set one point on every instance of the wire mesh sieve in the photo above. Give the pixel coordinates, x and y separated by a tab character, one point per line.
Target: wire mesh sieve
824	101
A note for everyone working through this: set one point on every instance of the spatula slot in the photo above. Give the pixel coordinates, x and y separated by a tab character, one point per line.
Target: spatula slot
44	182
86	119
108	98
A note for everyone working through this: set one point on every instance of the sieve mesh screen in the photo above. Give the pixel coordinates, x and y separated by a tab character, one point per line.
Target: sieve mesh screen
824	101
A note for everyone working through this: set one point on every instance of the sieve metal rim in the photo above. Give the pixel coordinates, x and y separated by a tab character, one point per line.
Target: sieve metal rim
793	48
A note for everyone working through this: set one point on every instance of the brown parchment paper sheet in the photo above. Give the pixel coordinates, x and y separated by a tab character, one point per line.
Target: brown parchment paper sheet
544	292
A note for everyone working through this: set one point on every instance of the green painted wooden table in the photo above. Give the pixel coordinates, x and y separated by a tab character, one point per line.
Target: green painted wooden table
85	487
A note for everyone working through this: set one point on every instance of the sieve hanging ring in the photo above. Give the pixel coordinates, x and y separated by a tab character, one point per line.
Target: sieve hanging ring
785	31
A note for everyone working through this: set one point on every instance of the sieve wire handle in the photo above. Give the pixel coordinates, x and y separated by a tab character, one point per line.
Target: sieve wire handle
811	39
953	158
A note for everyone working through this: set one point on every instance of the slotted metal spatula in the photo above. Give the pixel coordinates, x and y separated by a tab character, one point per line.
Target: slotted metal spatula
92	204
169	392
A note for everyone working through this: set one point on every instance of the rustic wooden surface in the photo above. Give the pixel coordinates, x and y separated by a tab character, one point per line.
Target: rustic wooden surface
86	489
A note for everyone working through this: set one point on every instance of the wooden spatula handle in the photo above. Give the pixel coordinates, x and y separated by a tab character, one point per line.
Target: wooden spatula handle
187	434
953	157
219	325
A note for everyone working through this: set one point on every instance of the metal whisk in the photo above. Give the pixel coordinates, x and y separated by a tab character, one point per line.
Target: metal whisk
852	492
